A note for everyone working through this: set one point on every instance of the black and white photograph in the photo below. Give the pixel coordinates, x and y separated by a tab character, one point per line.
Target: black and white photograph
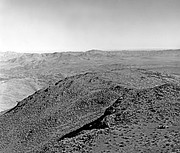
89	76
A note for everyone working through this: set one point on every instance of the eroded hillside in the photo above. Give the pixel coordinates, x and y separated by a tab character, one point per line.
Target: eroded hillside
115	110
23	74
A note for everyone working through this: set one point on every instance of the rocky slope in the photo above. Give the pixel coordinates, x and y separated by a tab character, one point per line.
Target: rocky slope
115	110
23	74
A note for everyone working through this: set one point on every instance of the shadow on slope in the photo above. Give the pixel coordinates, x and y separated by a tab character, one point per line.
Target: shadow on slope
82	103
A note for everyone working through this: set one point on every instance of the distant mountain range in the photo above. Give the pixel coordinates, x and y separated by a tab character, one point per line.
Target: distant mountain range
22	74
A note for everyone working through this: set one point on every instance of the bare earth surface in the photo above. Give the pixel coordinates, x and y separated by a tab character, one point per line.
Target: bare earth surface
114	109
23	74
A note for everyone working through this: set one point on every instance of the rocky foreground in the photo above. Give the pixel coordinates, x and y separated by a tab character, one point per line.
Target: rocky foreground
117	110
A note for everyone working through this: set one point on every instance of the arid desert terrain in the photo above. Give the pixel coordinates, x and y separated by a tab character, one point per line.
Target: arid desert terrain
23	74
95	101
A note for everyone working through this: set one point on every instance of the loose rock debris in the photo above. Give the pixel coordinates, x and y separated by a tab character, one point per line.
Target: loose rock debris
96	112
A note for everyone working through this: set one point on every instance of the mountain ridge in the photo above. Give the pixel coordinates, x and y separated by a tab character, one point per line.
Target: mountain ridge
26	73
82	103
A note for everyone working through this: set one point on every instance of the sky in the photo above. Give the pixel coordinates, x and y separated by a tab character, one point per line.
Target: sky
80	25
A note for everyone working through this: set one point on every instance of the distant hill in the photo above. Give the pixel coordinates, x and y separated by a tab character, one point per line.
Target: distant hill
23	74
4	56
113	109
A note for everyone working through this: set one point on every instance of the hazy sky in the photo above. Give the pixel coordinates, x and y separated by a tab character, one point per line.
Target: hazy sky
64	25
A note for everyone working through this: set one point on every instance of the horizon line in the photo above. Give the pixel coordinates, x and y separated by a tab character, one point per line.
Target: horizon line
94	49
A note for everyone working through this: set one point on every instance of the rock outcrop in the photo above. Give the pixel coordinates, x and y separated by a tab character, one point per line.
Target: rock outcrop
128	110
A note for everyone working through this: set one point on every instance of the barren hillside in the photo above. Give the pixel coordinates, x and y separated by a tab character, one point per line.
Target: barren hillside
23	74
115	109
